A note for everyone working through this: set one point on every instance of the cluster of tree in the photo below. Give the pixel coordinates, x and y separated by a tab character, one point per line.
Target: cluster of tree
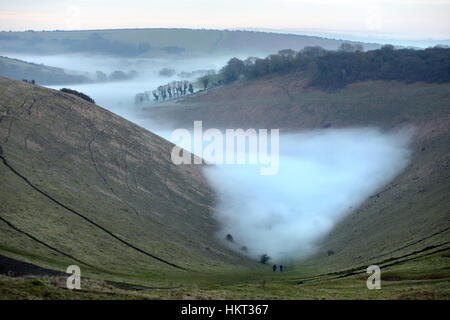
117	75
168	72
172	90
212	80
78	94
336	69
196	73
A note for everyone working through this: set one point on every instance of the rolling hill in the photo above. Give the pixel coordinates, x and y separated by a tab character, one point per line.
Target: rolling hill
159	42
41	74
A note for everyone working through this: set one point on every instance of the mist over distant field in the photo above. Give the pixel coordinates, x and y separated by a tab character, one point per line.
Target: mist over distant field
119	96
147	67
323	175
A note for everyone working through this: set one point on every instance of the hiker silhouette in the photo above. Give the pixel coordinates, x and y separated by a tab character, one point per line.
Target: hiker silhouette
274	267
281	268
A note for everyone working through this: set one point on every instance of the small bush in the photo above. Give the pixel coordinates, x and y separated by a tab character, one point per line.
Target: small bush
78	94
264	258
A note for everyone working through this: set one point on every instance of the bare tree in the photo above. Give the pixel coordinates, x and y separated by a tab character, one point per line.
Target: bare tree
205	82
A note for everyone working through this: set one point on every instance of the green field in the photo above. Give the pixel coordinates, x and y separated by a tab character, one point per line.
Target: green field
424	278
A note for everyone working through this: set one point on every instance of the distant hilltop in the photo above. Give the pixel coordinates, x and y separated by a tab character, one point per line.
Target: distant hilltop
160	42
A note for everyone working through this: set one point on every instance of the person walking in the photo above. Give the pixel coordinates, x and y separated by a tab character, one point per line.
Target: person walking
281	268
274	267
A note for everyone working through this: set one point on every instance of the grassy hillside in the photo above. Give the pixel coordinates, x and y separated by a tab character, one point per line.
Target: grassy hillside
158	42
82	185
41	74
410	214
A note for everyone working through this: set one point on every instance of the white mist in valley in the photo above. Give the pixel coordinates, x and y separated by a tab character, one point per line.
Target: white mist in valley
323	175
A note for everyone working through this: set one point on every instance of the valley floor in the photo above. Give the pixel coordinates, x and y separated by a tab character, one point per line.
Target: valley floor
422	277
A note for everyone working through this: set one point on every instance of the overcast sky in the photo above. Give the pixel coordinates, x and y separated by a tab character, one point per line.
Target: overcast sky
397	18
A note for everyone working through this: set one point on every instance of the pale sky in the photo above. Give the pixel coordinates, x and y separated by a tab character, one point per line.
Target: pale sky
418	19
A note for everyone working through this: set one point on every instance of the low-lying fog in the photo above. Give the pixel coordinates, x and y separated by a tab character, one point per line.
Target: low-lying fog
322	175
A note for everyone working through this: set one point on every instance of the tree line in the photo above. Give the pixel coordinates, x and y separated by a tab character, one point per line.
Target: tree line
350	63
171	90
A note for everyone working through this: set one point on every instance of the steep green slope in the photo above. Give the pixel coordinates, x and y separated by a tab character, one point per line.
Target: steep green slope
410	214
82	185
